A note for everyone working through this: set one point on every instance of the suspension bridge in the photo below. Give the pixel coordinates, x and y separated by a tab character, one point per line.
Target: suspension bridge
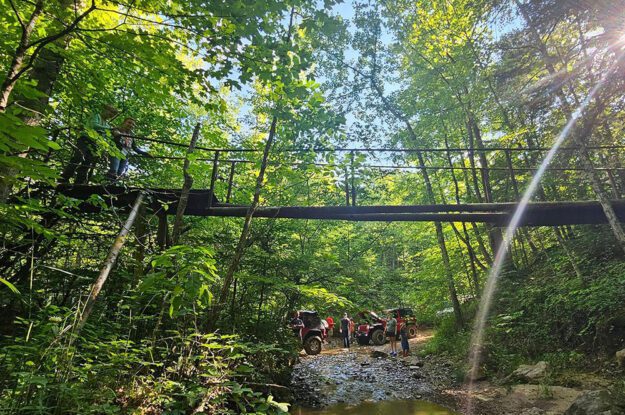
505	165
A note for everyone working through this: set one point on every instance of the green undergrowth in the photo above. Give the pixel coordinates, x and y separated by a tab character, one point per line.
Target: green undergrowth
546	312
101	372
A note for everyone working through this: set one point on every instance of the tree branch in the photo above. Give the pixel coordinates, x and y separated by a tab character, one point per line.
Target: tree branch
19	18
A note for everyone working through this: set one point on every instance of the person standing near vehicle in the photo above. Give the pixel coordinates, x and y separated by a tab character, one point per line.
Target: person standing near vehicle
405	346
344	329
352	332
296	324
84	158
330	321
391	333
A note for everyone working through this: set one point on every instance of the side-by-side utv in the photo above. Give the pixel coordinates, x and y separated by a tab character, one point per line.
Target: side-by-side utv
370	329
313	332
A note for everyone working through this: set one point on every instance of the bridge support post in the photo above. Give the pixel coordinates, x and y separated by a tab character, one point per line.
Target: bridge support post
346	187
211	190
186	187
353	179
230	180
515	185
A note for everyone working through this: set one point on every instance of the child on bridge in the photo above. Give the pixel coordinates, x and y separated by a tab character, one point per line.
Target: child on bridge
126	144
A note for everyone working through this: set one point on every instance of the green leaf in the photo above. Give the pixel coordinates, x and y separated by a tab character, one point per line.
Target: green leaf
9	285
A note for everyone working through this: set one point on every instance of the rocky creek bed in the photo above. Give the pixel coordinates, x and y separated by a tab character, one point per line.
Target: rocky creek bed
367	374
356	377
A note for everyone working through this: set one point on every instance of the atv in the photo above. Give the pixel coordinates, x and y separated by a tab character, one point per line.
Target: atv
370	329
313	331
404	317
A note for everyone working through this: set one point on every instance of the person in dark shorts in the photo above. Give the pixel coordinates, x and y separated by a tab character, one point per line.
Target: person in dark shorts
86	151
405	346
391	333
344	330
296	323
126	144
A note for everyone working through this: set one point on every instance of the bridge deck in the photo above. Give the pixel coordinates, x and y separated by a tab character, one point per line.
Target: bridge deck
537	214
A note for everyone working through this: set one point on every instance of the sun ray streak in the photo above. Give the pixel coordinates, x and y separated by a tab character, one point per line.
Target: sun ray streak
477	339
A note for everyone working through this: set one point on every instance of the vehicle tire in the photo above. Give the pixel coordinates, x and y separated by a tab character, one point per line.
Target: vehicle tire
412	332
363	340
378	337
312	345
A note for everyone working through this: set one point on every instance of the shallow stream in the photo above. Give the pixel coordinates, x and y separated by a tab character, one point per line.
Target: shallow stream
379	408
366	380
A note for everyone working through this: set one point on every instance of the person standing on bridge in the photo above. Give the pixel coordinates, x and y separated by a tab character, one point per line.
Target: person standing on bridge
86	151
126	145
345	329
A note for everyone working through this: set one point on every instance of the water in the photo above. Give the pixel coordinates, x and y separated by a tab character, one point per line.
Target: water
379	408
477	341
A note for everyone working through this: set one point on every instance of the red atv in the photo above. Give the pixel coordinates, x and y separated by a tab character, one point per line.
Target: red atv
370	328
312	330
404	316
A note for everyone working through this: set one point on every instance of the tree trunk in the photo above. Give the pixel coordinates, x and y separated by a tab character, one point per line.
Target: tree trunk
18	56
233	301
7	174
162	234
471	146
569	255
186	188
242	244
108	264
579	136
260	307
467	239
141	235
440	236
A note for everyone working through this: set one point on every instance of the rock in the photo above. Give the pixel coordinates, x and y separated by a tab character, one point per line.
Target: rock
598	402
377	354
530	373
477	376
620	358
413	361
533	411
417	375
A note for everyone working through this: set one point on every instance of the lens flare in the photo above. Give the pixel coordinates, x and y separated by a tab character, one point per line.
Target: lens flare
477	339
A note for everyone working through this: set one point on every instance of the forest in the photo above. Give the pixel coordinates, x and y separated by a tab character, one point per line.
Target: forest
179	178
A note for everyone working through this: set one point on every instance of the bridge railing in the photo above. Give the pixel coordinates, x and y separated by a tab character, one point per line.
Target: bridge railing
502	160
513	163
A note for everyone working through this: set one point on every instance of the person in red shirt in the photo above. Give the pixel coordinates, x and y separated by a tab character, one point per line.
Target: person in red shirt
330	321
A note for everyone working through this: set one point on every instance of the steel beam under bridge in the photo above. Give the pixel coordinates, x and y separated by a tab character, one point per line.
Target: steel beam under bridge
499	214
